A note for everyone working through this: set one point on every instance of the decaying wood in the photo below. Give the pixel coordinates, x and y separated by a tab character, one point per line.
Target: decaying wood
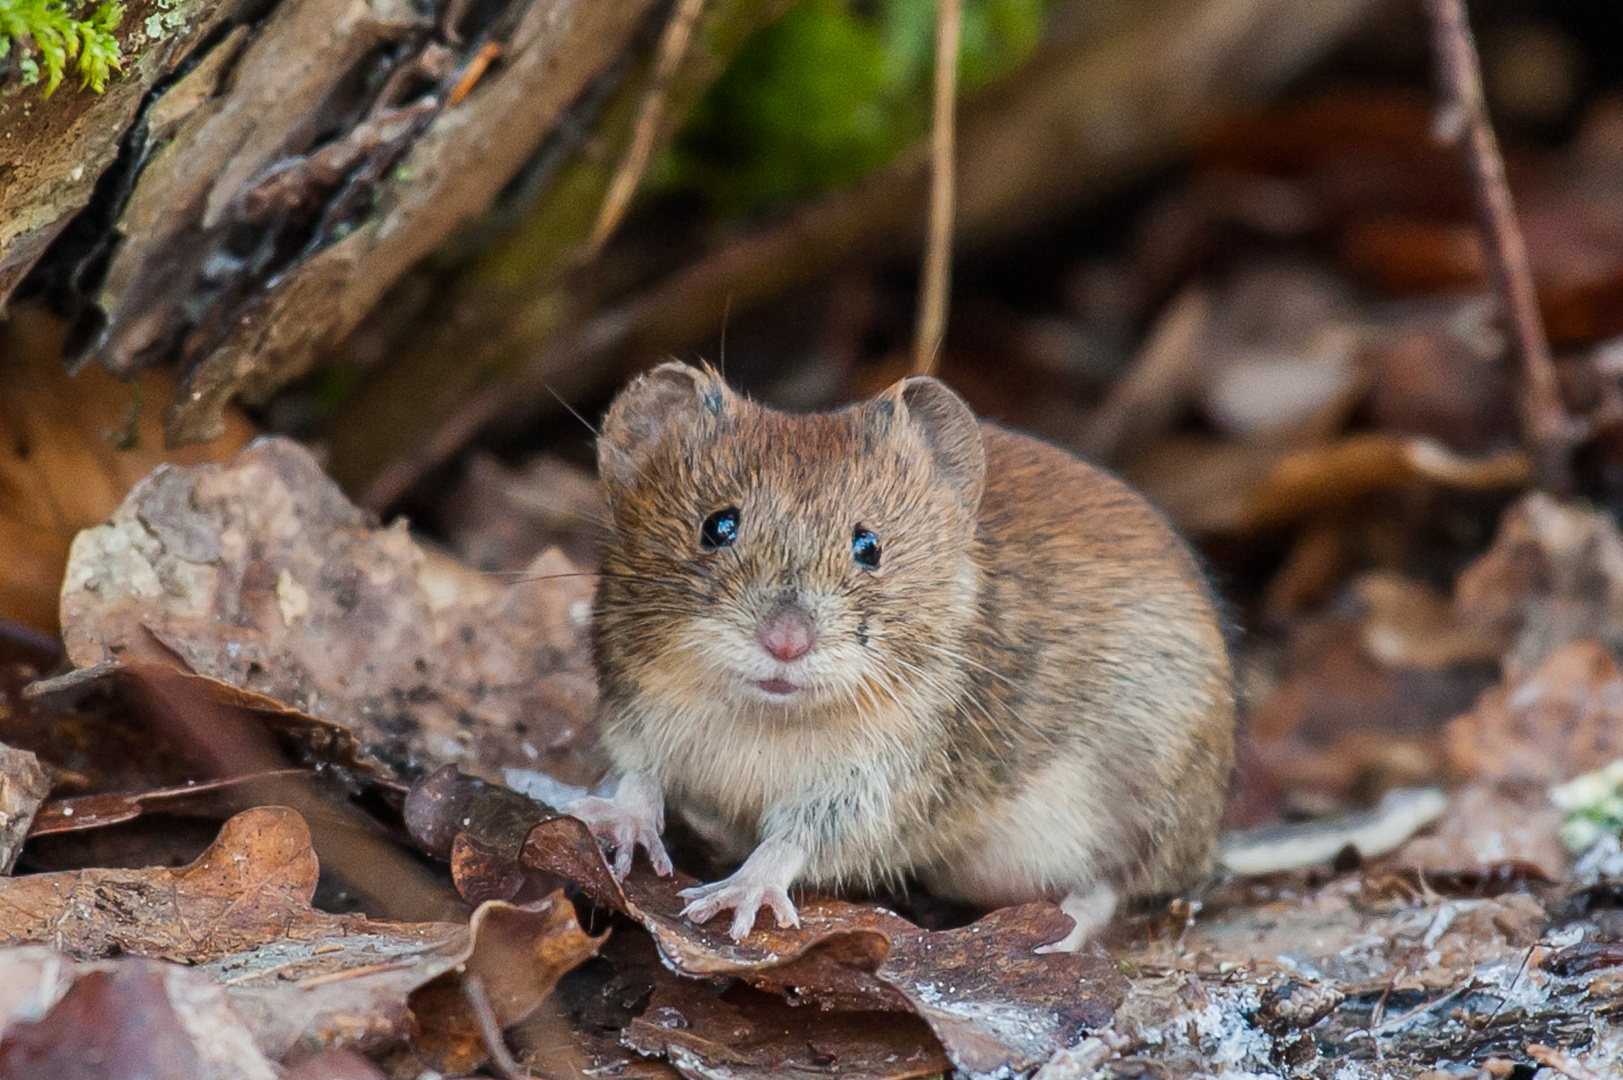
53	151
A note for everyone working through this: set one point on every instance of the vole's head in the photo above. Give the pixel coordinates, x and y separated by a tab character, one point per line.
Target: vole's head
795	563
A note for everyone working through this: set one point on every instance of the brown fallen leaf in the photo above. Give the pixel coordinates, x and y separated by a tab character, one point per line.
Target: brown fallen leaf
253	885
1484	827
134	1019
70	447
1341	722
1563	719
745	1034
1407	624
997	1006
1554	574
301	979
518	956
88	740
23	787
262	575
82	813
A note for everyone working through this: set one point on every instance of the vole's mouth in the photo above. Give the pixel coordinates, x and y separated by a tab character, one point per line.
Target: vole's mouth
776	687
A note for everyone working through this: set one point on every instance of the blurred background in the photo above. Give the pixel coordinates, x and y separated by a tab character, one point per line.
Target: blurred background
1215	245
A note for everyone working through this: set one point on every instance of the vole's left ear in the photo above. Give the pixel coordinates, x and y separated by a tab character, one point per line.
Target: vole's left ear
948	429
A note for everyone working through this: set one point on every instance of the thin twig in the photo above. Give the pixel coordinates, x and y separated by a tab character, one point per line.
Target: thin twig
673	45
501	1058
938	250
1546	428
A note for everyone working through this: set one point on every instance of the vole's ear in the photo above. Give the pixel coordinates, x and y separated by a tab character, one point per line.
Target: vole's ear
671	397
944	423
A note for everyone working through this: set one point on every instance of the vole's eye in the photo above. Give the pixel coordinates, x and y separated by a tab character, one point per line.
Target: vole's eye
719	529
865	548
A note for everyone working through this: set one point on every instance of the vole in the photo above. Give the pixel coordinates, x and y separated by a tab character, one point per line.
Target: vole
892	642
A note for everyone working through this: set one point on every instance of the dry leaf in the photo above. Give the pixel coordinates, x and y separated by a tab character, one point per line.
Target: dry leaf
1564	719
262	575
70	447
23	787
997	1006
1553	575
134	1019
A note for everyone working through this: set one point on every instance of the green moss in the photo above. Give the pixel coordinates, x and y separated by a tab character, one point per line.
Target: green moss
53	35
833	90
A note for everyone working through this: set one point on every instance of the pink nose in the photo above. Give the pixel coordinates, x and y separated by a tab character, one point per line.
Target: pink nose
787	635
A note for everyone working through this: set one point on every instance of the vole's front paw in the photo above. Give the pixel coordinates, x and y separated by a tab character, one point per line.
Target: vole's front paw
620	832
744	894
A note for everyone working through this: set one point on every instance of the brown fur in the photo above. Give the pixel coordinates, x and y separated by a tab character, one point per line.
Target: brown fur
1030	695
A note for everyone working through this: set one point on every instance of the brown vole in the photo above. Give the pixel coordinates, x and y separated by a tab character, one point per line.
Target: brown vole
893	641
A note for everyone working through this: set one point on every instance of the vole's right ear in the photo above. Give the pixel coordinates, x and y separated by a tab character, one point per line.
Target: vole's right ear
671	397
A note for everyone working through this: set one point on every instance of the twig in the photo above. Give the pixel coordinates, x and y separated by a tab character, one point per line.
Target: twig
501	1058
1463	119
673	45
938	250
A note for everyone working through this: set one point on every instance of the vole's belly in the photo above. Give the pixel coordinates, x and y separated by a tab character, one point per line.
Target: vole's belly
1053	837
733	837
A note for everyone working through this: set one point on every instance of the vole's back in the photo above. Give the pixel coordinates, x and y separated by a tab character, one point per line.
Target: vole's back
1098	742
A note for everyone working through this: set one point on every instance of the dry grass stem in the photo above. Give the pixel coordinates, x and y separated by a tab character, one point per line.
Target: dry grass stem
938	249
673	45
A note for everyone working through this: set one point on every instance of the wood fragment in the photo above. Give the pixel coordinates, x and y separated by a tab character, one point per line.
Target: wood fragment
936	280
477	66
1463	119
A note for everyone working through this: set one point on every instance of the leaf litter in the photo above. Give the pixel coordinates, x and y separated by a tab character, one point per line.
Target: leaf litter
1419	622
1317	974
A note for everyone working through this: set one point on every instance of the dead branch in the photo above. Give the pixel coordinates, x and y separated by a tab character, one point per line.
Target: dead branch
1463	118
936	279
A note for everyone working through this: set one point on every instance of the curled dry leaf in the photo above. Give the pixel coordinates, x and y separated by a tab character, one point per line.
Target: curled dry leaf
261	574
247	888
1563	719
746	1035
300	978
998	1007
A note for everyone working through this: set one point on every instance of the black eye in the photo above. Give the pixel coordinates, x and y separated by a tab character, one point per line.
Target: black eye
719	529
865	548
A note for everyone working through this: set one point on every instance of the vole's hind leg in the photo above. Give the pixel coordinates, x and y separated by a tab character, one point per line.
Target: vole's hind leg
1089	911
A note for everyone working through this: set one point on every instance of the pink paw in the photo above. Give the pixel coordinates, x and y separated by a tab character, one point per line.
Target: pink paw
744	895
621	833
